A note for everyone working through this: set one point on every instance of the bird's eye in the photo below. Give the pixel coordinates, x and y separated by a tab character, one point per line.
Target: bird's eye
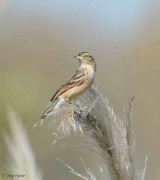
87	56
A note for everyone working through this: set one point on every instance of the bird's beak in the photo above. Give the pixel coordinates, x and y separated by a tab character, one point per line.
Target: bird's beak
78	57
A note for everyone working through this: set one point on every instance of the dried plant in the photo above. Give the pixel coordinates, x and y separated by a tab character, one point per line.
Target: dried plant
109	136
89	175
22	158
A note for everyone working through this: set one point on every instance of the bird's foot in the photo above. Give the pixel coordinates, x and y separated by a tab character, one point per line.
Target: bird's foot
70	102
79	114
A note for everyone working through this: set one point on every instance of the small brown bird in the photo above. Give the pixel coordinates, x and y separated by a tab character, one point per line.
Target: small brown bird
76	85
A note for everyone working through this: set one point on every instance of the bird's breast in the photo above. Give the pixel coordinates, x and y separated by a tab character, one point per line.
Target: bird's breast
90	73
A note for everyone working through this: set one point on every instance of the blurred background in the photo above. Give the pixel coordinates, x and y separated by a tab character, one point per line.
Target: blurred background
38	40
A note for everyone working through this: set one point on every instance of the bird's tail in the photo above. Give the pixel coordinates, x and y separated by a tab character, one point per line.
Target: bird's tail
51	107
49	110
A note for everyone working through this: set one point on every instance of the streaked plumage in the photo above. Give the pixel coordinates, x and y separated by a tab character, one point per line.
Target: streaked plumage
76	85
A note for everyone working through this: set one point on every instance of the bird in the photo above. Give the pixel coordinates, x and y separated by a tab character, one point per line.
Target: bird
76	85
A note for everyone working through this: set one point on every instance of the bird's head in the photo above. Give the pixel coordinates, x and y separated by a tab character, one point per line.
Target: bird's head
85	58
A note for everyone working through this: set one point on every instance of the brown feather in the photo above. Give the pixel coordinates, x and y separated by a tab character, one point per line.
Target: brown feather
75	80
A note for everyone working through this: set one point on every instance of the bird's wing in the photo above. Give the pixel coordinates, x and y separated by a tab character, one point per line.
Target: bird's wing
76	80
